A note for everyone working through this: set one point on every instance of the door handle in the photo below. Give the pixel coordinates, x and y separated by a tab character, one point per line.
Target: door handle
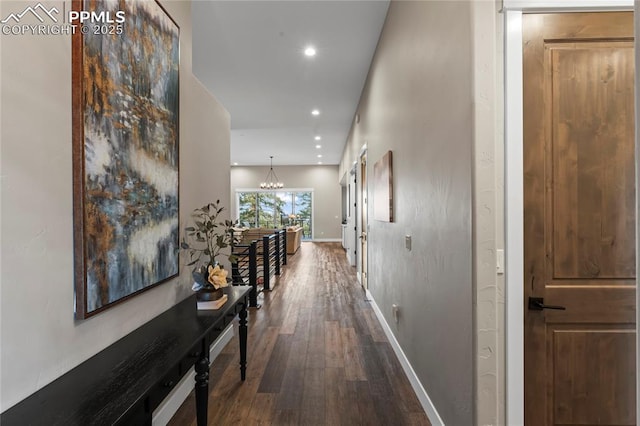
537	304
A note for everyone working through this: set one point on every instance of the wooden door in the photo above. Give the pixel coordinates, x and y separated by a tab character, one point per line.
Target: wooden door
364	221
579	219
353	245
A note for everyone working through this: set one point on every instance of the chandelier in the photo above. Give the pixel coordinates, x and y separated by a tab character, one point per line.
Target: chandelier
271	181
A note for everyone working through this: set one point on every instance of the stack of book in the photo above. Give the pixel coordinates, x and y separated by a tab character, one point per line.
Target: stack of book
212	304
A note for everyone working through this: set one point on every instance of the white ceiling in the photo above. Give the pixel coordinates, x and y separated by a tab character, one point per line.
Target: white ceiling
249	54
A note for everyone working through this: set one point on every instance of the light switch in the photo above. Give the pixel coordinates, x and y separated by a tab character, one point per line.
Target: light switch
407	242
500	261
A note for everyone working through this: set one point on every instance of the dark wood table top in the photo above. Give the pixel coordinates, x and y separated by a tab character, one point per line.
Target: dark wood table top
105	389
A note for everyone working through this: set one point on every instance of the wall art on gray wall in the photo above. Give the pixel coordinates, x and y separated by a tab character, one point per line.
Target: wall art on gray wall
125	153
383	189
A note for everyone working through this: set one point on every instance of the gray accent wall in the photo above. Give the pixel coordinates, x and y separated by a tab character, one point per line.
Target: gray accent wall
418	102
327	193
39	339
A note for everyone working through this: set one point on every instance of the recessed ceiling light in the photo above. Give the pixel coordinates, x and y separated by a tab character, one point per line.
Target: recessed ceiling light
310	51
319	155
318	146
235	164
318	138
315	112
319	162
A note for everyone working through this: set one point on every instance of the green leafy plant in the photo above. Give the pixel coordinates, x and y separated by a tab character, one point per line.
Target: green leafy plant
207	240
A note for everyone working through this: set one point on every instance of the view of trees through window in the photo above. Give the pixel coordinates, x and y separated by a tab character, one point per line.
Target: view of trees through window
276	209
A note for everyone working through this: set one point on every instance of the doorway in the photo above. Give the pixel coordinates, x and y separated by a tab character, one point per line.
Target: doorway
579	219
352	223
363	220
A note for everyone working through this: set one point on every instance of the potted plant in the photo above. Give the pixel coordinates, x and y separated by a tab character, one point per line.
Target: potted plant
205	242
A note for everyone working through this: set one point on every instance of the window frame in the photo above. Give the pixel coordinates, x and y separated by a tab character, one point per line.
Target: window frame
294	191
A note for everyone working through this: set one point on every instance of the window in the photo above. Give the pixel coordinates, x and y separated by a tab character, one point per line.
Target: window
276	209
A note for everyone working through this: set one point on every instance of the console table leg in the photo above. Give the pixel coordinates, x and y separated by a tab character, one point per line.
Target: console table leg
202	388
243	341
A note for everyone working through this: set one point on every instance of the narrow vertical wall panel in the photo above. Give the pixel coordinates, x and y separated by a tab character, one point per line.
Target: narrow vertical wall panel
514	213
487	214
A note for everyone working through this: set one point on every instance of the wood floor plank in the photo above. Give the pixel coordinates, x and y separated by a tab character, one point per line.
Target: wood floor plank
353	362
313	382
334	355
238	410
312	412
258	358
366	403
317	355
335	395
358	322
290	396
274	371
290	320
286	418
418	419
375	329
316	349
220	365
262	409
407	399
297	357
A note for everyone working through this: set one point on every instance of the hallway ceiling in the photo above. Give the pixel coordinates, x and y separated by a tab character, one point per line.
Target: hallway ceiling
250	55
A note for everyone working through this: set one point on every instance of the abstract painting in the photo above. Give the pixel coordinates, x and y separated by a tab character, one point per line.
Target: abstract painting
125	153
383	189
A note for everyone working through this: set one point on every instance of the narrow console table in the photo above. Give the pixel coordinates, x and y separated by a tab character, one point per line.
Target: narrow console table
125	382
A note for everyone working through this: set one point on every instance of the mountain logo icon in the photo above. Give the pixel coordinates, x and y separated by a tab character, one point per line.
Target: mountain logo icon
39	11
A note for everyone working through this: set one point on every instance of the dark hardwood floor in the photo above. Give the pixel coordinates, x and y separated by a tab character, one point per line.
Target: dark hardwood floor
317	355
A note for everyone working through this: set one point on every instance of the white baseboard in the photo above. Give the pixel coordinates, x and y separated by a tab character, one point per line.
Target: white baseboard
326	240
174	400
421	393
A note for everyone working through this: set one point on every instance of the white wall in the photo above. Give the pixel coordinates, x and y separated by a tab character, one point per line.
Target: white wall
327	193
39	338
488	212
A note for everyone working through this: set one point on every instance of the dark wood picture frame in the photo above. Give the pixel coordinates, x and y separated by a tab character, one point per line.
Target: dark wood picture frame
383	188
125	124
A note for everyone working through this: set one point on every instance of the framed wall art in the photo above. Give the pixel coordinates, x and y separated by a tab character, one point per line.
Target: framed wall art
383	189
125	80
